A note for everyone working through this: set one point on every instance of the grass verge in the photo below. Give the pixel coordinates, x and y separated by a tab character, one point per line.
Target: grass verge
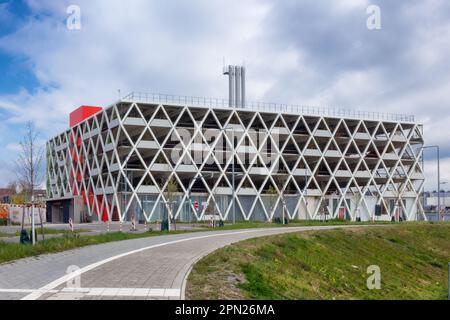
329	264
14	251
39	232
297	223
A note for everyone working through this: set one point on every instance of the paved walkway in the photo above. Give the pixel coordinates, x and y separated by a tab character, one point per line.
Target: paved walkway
147	268
94	229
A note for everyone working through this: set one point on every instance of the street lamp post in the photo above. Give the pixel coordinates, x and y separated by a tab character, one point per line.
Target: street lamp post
439	181
439	177
444	206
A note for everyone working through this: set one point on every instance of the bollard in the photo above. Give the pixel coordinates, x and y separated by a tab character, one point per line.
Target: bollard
145	225
71	225
120	226
107	226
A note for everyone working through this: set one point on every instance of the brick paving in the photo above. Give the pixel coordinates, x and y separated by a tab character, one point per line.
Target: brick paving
162	267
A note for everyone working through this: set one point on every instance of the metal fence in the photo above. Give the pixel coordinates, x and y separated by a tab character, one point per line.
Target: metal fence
267	107
434	217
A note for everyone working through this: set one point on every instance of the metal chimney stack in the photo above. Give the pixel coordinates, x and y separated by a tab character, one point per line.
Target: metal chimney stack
243	87
236	86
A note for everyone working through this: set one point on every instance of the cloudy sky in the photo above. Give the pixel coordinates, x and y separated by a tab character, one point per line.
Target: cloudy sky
305	52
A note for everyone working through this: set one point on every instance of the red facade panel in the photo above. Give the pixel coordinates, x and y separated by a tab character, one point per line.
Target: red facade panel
77	116
82	113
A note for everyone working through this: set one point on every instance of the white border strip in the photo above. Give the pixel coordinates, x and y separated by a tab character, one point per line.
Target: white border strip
107	292
24	291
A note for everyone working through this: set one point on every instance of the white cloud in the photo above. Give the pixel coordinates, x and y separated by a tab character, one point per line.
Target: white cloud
353	88
431	172
13	147
139	46
178	47
348	5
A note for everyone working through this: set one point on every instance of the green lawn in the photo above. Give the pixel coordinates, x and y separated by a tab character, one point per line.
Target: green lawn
330	264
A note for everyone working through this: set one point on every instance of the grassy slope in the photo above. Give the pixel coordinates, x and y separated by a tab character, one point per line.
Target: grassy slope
297	223
329	265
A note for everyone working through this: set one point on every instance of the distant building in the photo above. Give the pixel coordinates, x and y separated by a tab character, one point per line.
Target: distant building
6	195
40	196
431	200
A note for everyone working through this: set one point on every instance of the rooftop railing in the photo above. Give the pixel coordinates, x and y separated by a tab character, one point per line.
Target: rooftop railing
267	107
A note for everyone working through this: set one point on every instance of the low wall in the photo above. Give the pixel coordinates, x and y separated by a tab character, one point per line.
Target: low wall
15	214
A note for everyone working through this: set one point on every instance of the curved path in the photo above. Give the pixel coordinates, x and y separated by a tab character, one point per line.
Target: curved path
146	268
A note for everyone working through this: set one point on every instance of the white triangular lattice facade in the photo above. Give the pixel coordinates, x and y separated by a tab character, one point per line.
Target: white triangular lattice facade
118	163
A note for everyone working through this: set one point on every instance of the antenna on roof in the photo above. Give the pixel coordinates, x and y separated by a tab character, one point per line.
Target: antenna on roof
120	96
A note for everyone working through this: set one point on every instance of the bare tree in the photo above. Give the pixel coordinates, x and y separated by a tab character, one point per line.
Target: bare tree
29	162
12	187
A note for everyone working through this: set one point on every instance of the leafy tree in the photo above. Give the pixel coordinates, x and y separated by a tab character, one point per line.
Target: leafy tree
18	198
